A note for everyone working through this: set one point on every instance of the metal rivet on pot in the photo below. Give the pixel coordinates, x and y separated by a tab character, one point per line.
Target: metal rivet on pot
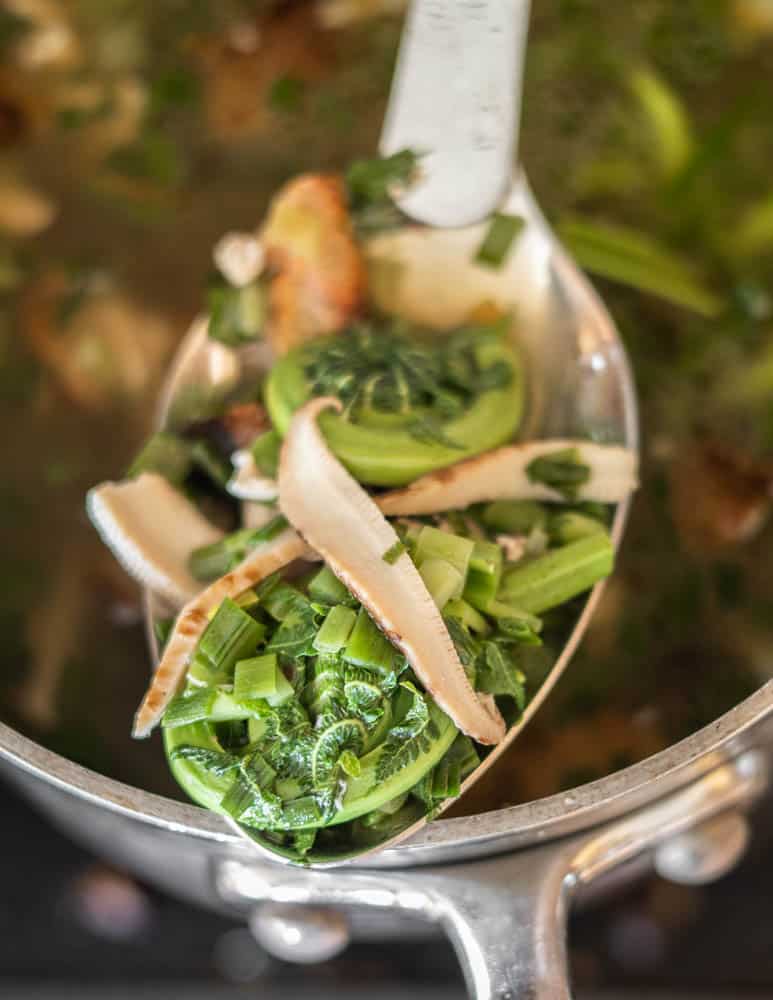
301	934
705	853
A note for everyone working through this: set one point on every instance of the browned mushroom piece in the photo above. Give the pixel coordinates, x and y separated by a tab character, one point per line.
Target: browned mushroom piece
100	348
719	497
241	67
319	281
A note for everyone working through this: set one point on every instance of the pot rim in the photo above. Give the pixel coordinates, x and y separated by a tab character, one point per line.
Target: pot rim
484	833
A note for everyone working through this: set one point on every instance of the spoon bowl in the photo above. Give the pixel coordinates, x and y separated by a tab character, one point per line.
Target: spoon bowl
579	380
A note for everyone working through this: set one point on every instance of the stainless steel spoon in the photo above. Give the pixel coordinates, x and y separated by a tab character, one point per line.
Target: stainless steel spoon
456	99
579	379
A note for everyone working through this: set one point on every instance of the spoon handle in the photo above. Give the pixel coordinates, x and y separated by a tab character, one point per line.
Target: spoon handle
456	98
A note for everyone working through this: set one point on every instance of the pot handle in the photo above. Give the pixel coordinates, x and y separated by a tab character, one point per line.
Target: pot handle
506	916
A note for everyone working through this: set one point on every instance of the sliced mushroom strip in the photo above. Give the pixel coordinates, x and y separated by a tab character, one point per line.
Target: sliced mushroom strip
557	470
193	618
248	482
151	529
342	523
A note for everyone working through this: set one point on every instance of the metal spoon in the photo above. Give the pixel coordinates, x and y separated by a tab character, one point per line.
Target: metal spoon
579	379
456	99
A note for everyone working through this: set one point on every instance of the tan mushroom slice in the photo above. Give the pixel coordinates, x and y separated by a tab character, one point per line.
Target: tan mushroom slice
342	523
257	515
248	482
192	620
151	529
504	474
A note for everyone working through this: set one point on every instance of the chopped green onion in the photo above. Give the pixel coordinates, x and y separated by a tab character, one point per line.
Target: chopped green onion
164	453
259	677
236	315
443	581
514	517
467	615
484	574
393	553
188	708
498	241
336	629
209	562
205	704
433	543
368	646
230	636
569	526
559	575
563	471
326	588
371	181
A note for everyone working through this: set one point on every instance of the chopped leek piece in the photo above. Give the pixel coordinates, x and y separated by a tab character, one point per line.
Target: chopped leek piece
235	314
467	615
393	554
260	677
213	561
559	575
371	181
514	517
442	580
368	646
230	636
569	526
206	704
336	629
433	543
484	574
561	470
498	241
185	709
326	588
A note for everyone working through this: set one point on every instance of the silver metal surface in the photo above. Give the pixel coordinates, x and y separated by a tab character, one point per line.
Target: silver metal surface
705	853
506	917
301	934
455	98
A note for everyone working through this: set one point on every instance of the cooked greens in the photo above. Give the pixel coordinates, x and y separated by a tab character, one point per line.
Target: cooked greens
410	405
299	716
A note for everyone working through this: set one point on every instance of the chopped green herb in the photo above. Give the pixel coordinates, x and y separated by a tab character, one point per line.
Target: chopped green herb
563	471
499	239
393	553
286	94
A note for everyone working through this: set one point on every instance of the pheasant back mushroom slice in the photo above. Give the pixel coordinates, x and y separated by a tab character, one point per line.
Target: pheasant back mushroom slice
342	523
319	279
192	620
504	474
151	529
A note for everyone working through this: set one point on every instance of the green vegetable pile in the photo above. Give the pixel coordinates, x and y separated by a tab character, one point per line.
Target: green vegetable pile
305	725
409	407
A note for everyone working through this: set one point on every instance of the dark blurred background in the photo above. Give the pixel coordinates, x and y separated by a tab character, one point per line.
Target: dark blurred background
132	134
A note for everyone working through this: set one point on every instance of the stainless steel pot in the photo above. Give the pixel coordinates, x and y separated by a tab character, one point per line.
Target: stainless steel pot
499	883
